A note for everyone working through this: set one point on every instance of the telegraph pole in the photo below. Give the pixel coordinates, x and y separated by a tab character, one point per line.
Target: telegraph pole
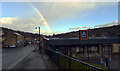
39	38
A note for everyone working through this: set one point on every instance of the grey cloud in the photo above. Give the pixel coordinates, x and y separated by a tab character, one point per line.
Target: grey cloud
108	24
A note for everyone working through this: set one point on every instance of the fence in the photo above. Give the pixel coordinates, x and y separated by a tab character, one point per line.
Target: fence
66	62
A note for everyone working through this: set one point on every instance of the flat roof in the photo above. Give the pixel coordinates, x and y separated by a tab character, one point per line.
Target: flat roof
77	41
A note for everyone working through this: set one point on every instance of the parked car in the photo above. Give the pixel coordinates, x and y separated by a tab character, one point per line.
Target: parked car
12	46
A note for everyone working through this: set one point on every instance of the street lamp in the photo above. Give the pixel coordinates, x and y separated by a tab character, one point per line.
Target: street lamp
39	37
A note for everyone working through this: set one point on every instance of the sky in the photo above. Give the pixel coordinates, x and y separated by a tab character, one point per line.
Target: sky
57	17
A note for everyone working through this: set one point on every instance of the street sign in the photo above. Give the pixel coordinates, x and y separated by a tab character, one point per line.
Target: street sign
84	34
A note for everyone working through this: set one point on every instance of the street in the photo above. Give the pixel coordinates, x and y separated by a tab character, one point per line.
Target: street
12	56
35	60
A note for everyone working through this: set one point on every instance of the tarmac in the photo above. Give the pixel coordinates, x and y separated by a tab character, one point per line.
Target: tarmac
35	60
114	64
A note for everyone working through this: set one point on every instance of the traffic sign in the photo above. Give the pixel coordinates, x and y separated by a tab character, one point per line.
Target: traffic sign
84	34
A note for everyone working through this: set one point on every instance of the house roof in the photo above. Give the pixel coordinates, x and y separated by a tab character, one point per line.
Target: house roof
16	33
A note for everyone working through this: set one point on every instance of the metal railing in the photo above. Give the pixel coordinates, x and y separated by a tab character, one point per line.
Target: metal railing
66	62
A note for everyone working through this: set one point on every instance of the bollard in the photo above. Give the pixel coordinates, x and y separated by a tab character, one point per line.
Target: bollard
105	65
110	59
101	61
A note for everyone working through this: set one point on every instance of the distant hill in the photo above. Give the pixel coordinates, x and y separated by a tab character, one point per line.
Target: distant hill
112	31
26	34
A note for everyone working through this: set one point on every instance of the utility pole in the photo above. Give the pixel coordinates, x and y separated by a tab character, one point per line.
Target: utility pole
39	39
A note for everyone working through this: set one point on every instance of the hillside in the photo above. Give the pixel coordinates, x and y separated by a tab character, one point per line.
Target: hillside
112	31
26	34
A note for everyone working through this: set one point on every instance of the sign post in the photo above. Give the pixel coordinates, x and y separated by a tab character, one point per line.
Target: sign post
83	34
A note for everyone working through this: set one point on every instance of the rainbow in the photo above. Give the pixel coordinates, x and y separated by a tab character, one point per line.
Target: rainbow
45	22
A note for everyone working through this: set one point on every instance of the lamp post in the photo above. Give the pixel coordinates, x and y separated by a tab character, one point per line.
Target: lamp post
39	38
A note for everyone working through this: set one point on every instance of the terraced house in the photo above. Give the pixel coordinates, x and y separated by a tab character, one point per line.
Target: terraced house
12	38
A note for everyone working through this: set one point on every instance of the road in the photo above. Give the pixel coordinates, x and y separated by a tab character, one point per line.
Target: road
12	56
35	60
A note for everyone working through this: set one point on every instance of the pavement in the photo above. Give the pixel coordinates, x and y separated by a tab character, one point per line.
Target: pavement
35	60
0	59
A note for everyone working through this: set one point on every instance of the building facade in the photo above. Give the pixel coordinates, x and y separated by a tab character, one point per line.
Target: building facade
12	38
